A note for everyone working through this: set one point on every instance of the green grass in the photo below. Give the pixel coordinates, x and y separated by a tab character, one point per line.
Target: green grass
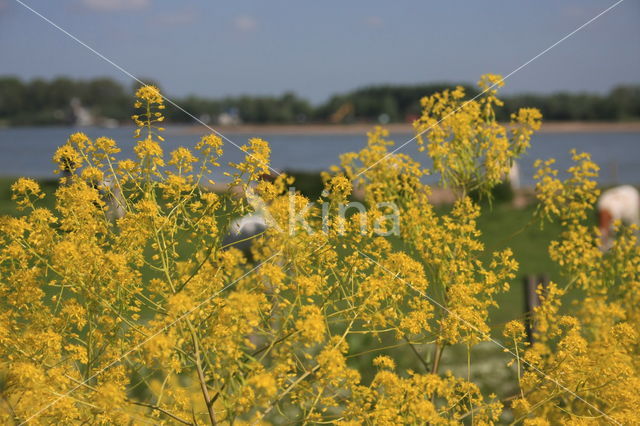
8	207
502	226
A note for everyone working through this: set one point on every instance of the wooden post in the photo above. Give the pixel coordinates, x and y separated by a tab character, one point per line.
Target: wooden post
532	301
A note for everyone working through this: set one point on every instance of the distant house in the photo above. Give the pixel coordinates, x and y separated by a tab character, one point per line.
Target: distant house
80	116
231	117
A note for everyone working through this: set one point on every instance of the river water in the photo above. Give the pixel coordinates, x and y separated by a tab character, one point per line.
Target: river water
27	151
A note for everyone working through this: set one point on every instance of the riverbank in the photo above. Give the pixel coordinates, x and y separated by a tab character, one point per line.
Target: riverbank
407	128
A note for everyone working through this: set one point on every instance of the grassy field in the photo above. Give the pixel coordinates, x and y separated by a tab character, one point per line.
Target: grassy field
501	226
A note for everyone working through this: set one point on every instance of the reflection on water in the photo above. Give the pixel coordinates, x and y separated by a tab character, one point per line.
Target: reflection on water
28	151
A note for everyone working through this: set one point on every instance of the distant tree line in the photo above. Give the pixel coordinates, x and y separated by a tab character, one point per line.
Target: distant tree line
40	102
47	102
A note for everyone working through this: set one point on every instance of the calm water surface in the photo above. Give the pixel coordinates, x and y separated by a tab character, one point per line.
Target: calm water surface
28	151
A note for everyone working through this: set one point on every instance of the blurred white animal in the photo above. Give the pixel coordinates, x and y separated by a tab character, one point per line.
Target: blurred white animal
114	200
514	176
110	193
242	232
245	229
619	203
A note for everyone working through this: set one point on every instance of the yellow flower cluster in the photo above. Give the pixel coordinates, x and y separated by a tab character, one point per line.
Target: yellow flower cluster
469	148
146	318
582	365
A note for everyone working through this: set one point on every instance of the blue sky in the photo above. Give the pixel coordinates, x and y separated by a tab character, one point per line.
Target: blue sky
216	48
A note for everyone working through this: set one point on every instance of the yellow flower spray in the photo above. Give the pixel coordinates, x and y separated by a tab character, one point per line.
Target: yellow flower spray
148	319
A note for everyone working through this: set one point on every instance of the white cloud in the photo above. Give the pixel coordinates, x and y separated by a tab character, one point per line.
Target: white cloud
115	5
374	21
245	24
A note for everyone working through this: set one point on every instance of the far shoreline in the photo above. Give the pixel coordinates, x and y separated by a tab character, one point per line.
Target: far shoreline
406	128
350	129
